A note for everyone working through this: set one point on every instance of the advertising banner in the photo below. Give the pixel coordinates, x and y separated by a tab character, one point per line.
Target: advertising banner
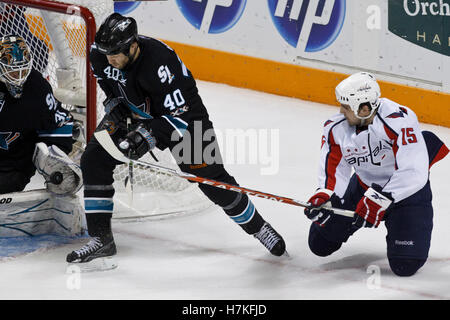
426	24
403	41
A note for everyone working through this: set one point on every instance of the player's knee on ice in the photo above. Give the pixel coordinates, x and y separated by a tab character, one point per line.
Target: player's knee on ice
405	267
319	245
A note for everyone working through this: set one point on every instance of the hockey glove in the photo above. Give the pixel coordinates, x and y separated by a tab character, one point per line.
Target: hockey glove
110	103
62	176
317	211
371	208
137	142
117	112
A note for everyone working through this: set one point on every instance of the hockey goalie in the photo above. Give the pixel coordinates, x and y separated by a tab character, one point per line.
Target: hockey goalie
35	135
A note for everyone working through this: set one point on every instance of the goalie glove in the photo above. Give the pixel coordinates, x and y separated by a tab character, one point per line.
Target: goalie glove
62	176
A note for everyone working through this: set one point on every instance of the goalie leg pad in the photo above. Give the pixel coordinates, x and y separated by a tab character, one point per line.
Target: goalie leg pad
38	212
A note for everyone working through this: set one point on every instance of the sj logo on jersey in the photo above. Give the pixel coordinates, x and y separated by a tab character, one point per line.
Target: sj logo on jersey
6	138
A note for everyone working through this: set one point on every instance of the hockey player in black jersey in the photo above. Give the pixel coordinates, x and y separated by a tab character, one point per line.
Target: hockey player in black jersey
145	81
29	114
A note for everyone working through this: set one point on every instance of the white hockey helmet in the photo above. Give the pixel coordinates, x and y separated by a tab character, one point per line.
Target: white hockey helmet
15	63
359	88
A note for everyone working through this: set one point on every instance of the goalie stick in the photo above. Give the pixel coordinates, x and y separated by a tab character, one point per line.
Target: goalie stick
107	143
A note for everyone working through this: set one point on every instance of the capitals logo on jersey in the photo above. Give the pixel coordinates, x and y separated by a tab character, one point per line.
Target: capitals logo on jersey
399	114
359	156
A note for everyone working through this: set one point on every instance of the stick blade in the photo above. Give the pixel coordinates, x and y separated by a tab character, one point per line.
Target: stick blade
107	143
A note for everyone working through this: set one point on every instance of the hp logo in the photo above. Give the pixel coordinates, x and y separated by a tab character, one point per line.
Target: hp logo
125	7
309	25
212	16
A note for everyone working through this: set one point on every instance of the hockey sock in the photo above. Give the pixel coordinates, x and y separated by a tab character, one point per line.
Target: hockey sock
99	205
243	212
99	224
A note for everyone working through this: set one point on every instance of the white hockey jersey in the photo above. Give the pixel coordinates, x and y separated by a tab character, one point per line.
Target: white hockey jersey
391	152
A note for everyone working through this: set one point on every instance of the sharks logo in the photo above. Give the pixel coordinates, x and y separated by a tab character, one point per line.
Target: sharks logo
142	110
6	138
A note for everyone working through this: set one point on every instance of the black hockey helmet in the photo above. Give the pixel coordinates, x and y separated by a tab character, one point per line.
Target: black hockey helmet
116	34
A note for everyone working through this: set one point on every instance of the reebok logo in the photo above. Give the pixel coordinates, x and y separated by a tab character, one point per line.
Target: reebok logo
377	197
404	242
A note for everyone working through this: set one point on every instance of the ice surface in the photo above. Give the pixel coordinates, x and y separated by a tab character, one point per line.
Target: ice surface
207	256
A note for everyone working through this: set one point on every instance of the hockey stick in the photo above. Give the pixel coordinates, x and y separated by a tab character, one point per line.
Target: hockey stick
130	181
105	140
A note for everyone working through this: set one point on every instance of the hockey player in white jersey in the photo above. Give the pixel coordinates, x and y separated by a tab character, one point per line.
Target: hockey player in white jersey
375	160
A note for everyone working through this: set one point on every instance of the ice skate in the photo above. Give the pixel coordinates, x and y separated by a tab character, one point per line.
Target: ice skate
96	255
271	240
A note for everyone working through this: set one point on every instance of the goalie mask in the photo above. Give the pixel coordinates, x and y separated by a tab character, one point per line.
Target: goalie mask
15	63
358	89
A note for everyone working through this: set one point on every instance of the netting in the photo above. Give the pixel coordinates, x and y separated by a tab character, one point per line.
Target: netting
58	45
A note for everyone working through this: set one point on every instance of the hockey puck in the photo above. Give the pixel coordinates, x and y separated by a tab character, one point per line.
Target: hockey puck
124	145
56	177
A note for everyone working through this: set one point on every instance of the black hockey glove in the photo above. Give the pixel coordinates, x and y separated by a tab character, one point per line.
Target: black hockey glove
111	102
118	114
137	142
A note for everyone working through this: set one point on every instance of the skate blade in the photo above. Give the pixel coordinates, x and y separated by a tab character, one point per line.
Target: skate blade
99	264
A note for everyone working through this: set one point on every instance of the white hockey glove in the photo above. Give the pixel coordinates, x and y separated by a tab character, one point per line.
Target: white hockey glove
62	175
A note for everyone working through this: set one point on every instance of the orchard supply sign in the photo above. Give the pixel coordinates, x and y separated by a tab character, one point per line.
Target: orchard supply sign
425	23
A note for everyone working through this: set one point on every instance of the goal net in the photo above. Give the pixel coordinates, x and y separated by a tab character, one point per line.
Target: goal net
59	34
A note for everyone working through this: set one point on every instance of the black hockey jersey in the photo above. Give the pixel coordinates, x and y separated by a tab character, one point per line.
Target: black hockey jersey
34	117
157	85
